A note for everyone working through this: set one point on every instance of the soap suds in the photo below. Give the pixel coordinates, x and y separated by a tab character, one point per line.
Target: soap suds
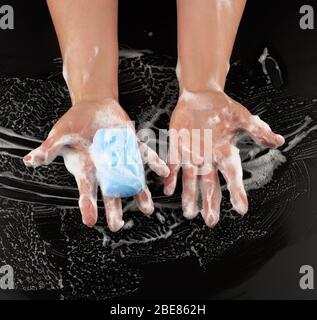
52	195
213	120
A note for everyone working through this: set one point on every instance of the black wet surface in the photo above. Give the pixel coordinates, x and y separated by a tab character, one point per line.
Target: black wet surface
55	256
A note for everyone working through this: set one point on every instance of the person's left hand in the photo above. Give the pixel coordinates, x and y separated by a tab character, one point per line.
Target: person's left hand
217	118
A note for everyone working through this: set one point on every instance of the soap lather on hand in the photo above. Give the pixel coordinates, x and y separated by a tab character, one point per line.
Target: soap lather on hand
119	167
100	148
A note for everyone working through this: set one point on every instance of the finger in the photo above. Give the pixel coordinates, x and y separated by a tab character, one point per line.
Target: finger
261	132
155	163
144	201
174	164
211	197
113	208
88	201
171	181
80	166
46	152
229	163
190	191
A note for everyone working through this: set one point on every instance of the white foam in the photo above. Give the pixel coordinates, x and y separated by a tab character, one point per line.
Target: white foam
131	53
213	120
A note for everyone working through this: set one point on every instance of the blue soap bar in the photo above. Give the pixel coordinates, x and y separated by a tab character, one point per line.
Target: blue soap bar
118	162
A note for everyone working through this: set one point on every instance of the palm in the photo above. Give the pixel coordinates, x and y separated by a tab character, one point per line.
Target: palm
217	119
72	137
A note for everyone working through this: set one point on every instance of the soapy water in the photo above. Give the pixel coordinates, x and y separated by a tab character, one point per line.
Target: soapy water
41	233
265	59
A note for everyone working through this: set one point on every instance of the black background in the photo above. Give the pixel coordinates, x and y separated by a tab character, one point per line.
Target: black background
29	49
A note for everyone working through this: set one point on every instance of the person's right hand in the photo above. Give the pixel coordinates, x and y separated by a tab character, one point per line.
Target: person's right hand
71	138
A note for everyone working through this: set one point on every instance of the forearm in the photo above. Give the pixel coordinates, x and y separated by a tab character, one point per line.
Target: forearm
87	34
206	34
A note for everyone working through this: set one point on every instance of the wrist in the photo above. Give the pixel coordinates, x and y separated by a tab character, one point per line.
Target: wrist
197	77
92	87
100	93
91	75
205	97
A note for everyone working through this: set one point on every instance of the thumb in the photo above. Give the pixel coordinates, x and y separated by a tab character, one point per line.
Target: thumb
46	152
261	133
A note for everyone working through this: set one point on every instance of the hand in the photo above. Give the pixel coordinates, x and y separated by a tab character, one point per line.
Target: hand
71	137
223	117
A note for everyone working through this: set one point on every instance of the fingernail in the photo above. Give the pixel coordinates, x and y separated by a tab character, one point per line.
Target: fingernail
148	210
168	191
35	158
88	224
166	172
115	225
190	212
27	159
241	204
89	218
212	219
280	139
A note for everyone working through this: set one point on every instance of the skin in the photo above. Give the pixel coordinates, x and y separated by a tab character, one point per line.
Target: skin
206	34
207	29
90	55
